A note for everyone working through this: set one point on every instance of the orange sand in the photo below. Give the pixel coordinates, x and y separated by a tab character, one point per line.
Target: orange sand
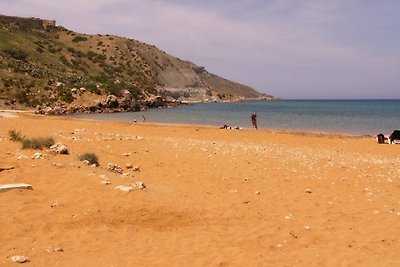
213	198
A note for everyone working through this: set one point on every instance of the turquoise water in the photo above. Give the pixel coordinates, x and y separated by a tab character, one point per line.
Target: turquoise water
359	117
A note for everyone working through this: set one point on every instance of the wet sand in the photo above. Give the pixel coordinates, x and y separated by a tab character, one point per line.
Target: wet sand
213	197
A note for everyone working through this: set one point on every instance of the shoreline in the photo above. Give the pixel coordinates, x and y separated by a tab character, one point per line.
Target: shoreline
7	113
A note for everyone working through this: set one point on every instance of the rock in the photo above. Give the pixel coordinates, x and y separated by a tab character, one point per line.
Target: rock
58	165
124	188
135	168
308	190
20	259
7	187
22	157
126	154
258	192
139	185
114	168
128	165
6	168
93	165
125	174
105	182
86	162
37	155
59	148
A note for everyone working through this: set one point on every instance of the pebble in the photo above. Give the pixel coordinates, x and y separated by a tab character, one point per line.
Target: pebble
105	182
124	188
135	168
20	259
128	165
37	155
22	157
139	185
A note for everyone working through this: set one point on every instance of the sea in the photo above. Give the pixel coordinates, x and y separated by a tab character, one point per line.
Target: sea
354	117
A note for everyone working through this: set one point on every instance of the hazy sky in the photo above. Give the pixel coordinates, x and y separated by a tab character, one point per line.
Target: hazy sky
287	48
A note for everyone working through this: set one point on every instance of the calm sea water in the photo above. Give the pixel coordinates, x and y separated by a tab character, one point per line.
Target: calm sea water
359	117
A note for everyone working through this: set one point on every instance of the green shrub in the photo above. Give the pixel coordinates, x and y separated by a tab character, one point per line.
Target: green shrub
91	157
16	54
79	39
37	143
15	135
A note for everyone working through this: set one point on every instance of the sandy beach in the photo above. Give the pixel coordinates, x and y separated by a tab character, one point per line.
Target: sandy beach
213	197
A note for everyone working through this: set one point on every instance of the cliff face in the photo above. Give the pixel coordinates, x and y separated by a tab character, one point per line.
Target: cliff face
45	65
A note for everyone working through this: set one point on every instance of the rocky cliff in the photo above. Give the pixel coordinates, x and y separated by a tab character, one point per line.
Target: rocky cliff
45	66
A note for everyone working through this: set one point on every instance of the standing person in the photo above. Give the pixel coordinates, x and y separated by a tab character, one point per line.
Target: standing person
254	120
143	118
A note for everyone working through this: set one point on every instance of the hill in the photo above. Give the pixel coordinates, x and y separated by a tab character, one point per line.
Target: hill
46	66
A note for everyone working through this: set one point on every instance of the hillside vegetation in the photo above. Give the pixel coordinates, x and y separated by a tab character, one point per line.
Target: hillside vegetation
44	65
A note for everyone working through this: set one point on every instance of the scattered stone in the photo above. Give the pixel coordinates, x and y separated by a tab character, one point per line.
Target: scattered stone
294	235
58	250
135	168
93	165
124	188
128	165
308	190
58	165
114	168
233	191
258	192
105	182
307	227
20	259
139	185
37	155
22	157
59	148
7	187
125	174
288	217
126	154
55	204
86	162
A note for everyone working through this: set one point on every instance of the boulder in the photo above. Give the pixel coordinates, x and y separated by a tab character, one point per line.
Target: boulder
59	148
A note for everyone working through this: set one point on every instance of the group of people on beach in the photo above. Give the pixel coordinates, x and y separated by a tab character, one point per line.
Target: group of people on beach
253	122
143	119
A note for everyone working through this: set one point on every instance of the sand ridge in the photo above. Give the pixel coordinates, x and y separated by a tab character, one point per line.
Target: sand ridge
213	198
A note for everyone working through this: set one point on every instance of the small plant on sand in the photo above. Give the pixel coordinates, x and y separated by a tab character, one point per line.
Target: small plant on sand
15	135
91	157
37	143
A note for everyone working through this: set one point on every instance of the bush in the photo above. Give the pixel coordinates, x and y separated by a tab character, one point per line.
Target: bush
16	54
91	157
15	135
79	39
37	143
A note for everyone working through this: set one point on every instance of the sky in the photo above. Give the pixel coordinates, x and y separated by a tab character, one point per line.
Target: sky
292	49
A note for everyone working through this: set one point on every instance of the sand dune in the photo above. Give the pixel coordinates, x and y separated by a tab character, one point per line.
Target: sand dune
213	197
